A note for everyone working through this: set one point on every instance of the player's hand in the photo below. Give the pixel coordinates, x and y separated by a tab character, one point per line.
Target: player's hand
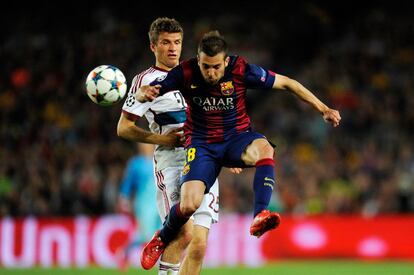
236	170
332	116
176	137
147	93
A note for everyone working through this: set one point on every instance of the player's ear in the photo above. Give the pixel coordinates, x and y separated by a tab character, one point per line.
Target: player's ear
226	61
198	59
152	47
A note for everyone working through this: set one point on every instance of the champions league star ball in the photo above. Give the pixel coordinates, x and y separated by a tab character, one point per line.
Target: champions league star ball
106	85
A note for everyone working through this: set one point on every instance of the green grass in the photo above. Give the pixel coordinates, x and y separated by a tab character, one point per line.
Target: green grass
281	268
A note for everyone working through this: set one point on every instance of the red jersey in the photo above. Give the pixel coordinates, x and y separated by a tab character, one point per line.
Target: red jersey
216	112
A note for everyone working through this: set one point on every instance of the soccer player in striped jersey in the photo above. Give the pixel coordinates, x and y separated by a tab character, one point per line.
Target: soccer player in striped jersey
218	131
166	116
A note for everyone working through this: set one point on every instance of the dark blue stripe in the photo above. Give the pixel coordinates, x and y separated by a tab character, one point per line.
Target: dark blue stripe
170	118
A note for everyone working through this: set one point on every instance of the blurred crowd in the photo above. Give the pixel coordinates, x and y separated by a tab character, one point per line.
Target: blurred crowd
60	155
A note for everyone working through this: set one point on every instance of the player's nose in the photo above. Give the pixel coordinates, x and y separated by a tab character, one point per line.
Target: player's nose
173	47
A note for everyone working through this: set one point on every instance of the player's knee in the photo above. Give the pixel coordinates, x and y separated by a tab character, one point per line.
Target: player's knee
191	204
192	194
266	151
188	208
260	149
197	249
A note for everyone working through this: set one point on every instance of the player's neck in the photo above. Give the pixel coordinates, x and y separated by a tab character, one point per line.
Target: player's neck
161	66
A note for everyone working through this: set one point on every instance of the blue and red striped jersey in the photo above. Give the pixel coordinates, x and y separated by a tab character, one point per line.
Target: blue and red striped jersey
216	112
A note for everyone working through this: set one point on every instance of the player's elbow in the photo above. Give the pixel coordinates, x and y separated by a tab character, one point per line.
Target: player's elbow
122	127
289	83
125	127
120	130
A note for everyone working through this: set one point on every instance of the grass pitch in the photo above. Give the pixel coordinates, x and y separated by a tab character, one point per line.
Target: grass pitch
280	268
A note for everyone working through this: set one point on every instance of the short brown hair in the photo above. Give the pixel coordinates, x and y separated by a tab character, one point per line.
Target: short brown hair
212	43
163	24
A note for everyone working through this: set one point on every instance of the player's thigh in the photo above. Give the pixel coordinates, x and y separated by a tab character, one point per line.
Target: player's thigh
237	148
202	164
168	189
260	148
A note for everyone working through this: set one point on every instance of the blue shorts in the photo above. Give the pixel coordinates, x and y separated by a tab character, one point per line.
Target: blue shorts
205	160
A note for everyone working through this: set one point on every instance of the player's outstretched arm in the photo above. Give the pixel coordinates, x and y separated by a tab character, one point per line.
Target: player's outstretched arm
127	129
147	93
285	83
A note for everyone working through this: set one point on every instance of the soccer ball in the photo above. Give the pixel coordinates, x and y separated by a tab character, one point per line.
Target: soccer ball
106	85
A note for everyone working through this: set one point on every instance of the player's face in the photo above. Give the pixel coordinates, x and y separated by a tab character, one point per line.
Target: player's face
212	67
167	50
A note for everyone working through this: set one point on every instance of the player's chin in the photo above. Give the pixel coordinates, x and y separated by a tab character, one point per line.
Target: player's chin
212	82
171	63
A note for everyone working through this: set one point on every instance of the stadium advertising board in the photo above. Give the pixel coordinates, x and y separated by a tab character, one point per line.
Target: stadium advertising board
83	241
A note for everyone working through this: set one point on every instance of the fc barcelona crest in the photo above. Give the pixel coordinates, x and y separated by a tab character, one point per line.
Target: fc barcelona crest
227	88
186	169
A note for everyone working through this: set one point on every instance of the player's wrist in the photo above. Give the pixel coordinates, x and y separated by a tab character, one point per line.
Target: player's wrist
322	109
165	140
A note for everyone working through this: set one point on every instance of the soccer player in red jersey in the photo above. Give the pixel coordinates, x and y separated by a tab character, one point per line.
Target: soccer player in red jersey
218	132
165	117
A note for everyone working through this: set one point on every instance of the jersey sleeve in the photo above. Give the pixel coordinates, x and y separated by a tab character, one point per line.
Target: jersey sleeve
170	82
132	108
257	77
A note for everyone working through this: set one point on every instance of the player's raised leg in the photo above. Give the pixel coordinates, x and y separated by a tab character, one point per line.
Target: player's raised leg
192	193
260	154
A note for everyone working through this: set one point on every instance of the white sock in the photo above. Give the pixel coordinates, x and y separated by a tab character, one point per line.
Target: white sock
168	269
